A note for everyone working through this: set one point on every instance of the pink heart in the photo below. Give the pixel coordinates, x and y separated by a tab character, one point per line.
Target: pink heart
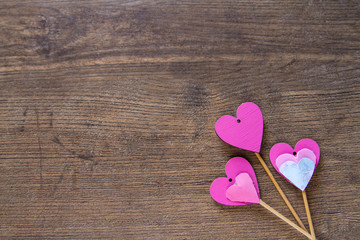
245	131
282	154
233	169
243	190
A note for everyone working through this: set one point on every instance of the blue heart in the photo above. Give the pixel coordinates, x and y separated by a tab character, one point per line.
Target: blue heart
298	174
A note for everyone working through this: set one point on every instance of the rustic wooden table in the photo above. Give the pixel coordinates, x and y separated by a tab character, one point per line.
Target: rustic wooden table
107	115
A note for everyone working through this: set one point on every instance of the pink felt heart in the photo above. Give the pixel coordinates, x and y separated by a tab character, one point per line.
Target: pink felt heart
296	165
233	170
245	131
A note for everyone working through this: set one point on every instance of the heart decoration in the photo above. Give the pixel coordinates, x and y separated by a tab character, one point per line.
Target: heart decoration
243	131
239	188
296	165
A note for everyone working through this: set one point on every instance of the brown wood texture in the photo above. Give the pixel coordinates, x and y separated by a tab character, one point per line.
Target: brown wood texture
108	108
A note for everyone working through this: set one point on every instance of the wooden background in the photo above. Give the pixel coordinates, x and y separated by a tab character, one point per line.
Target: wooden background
107	115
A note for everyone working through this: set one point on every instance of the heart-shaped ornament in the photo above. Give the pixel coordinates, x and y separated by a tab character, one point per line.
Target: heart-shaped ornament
239	188
243	131
296	165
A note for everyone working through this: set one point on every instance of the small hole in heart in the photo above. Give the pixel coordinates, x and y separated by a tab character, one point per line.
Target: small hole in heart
294	153
230	179
238	121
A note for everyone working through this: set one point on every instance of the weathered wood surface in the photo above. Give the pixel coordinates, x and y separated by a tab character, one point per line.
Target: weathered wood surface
107	115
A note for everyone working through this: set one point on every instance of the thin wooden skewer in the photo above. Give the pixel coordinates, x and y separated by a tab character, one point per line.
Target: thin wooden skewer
307	209
262	203
288	204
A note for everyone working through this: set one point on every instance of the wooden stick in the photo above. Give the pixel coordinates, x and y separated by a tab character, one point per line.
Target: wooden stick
262	203
307	209
288	204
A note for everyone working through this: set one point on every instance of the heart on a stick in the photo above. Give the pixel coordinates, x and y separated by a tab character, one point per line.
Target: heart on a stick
296	165
239	188
243	131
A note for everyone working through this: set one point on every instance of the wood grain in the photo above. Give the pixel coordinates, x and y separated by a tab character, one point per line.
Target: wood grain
107	115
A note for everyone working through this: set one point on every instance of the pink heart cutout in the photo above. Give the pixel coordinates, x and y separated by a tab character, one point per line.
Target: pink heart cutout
233	169
245	131
281	153
243	190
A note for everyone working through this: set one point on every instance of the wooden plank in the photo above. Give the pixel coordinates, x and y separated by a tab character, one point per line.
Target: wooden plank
107	115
